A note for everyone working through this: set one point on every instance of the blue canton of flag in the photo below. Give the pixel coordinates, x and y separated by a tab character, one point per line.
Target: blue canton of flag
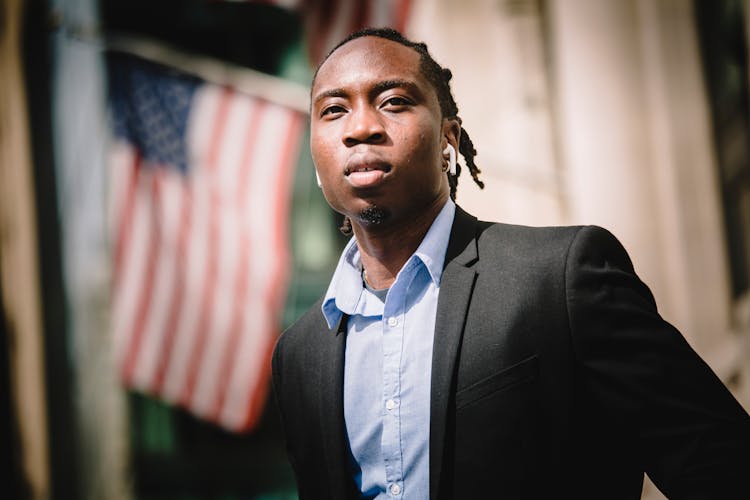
150	107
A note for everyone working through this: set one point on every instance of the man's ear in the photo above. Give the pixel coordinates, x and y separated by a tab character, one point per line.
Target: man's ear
451	133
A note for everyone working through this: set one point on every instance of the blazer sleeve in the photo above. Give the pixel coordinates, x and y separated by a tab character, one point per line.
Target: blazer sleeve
638	372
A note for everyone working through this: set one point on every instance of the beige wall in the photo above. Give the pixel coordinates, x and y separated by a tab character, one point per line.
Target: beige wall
495	50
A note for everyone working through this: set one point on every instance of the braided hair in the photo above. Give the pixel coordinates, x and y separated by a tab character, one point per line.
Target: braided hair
439	78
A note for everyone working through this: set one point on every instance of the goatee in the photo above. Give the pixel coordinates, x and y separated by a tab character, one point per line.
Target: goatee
373	215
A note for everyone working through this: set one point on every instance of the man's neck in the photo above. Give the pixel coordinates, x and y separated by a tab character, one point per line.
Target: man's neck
385	250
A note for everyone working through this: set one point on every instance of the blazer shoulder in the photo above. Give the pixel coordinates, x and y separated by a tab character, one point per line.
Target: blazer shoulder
297	346
561	248
492	233
530	241
594	245
300	331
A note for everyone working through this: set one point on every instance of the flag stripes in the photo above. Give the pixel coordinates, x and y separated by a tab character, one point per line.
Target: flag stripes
327	22
200	251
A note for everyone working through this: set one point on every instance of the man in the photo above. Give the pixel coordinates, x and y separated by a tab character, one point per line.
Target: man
452	358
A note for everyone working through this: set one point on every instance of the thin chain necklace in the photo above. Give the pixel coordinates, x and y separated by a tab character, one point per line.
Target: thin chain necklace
364	278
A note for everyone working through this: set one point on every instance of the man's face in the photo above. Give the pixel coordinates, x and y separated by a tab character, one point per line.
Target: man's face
377	133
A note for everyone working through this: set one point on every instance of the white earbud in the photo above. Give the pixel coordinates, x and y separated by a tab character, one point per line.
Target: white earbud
317	178
451	152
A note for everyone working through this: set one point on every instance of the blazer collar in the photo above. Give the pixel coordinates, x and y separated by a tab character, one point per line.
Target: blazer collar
455	294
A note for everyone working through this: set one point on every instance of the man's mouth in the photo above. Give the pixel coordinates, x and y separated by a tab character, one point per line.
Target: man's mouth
366	174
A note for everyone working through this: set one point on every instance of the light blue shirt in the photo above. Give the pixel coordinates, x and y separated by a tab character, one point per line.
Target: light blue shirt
388	365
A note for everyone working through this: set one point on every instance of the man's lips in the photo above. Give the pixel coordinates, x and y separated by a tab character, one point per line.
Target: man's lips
366	174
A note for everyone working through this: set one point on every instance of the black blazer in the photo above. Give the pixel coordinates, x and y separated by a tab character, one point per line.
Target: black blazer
553	376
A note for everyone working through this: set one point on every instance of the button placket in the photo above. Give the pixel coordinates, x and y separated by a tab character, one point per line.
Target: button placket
392	351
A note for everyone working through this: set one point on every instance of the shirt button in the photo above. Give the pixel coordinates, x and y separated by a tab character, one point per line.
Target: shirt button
390	404
395	489
392	321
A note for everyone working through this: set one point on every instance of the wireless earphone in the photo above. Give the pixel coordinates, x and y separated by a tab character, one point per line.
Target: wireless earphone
317	178
451	152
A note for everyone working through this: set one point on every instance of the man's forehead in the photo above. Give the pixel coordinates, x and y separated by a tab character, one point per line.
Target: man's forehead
368	57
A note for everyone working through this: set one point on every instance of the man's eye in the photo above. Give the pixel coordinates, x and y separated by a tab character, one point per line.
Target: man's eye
332	110
396	101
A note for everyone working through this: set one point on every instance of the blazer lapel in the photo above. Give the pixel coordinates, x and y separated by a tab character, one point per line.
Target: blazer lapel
331	387
456	286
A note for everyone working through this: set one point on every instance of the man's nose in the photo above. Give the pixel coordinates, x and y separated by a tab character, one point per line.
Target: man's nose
364	126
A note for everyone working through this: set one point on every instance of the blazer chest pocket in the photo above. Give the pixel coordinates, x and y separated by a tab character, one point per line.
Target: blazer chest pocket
519	373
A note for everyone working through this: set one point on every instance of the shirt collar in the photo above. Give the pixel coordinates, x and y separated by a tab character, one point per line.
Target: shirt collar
345	289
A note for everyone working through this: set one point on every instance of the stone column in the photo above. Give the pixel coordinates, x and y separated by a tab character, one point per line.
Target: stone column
604	127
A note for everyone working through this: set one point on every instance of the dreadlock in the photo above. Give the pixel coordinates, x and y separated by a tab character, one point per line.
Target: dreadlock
439	78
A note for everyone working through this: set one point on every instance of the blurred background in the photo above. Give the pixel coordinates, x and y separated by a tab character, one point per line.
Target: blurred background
160	222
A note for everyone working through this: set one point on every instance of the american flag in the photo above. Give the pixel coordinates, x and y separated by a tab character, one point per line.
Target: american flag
327	22
200	178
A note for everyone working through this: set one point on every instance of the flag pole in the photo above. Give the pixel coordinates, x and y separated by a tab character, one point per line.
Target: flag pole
254	83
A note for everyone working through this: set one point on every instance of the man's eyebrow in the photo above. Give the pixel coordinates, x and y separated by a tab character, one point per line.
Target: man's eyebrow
376	89
384	85
330	93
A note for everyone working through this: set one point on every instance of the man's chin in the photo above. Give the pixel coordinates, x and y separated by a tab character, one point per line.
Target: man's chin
373	215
